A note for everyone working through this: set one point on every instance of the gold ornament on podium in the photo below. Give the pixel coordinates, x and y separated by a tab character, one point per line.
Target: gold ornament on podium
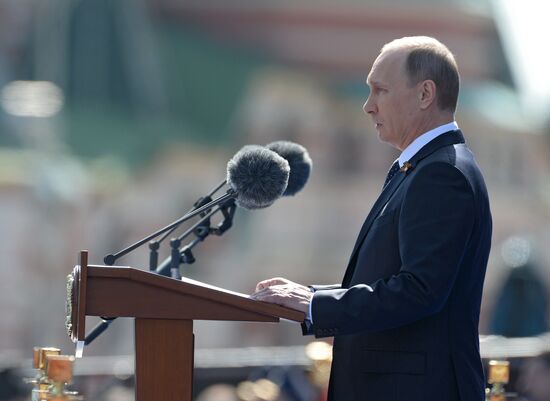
55	372
499	375
41	382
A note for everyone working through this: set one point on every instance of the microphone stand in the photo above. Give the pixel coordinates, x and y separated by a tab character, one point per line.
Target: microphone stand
111	258
154	245
201	229
204	207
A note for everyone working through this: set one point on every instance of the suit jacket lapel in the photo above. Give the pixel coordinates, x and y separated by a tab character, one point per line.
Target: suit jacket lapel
449	138
384	197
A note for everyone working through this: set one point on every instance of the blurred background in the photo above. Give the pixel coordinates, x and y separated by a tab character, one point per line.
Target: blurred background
117	115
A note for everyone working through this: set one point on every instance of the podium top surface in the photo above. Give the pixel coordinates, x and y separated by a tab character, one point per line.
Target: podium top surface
153	295
121	291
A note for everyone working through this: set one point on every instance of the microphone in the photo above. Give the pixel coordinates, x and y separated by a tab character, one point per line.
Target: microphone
243	170
295	154
299	162
257	177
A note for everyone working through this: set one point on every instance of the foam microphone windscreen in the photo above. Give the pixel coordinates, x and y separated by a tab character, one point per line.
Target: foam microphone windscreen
258	176
299	161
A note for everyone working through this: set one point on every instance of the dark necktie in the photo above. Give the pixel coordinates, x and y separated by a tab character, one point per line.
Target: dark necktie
393	169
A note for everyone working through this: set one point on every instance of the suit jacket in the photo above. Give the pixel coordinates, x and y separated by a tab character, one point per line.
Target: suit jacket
405	318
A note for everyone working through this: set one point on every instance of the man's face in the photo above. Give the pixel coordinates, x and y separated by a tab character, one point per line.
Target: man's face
392	104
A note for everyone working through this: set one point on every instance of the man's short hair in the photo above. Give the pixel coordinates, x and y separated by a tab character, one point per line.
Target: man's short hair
430	59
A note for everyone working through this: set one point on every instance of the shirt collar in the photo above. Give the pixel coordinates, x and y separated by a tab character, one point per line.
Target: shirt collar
423	139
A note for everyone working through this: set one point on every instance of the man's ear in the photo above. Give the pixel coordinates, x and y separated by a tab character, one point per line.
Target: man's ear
427	92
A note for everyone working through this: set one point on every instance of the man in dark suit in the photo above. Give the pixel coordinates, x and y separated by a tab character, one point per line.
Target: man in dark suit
405	318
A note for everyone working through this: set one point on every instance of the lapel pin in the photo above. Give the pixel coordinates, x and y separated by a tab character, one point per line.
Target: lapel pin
406	167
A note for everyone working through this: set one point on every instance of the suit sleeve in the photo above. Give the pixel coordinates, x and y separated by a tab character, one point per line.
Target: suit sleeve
307	326
435	223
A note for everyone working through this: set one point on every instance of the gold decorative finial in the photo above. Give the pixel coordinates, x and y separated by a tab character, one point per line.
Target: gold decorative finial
54	373
499	375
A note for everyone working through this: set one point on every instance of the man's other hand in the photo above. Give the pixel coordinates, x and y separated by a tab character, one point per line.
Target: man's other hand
284	292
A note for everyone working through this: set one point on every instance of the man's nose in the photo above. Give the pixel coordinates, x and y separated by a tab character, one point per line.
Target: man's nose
369	106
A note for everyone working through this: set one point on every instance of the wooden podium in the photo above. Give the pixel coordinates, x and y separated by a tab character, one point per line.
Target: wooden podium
164	310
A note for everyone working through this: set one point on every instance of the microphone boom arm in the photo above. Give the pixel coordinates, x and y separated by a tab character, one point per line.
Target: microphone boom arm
111	258
228	211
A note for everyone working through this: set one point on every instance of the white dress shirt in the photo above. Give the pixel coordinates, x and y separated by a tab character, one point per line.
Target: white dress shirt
423	139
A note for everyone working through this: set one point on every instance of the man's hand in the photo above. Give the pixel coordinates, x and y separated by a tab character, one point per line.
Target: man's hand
284	292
